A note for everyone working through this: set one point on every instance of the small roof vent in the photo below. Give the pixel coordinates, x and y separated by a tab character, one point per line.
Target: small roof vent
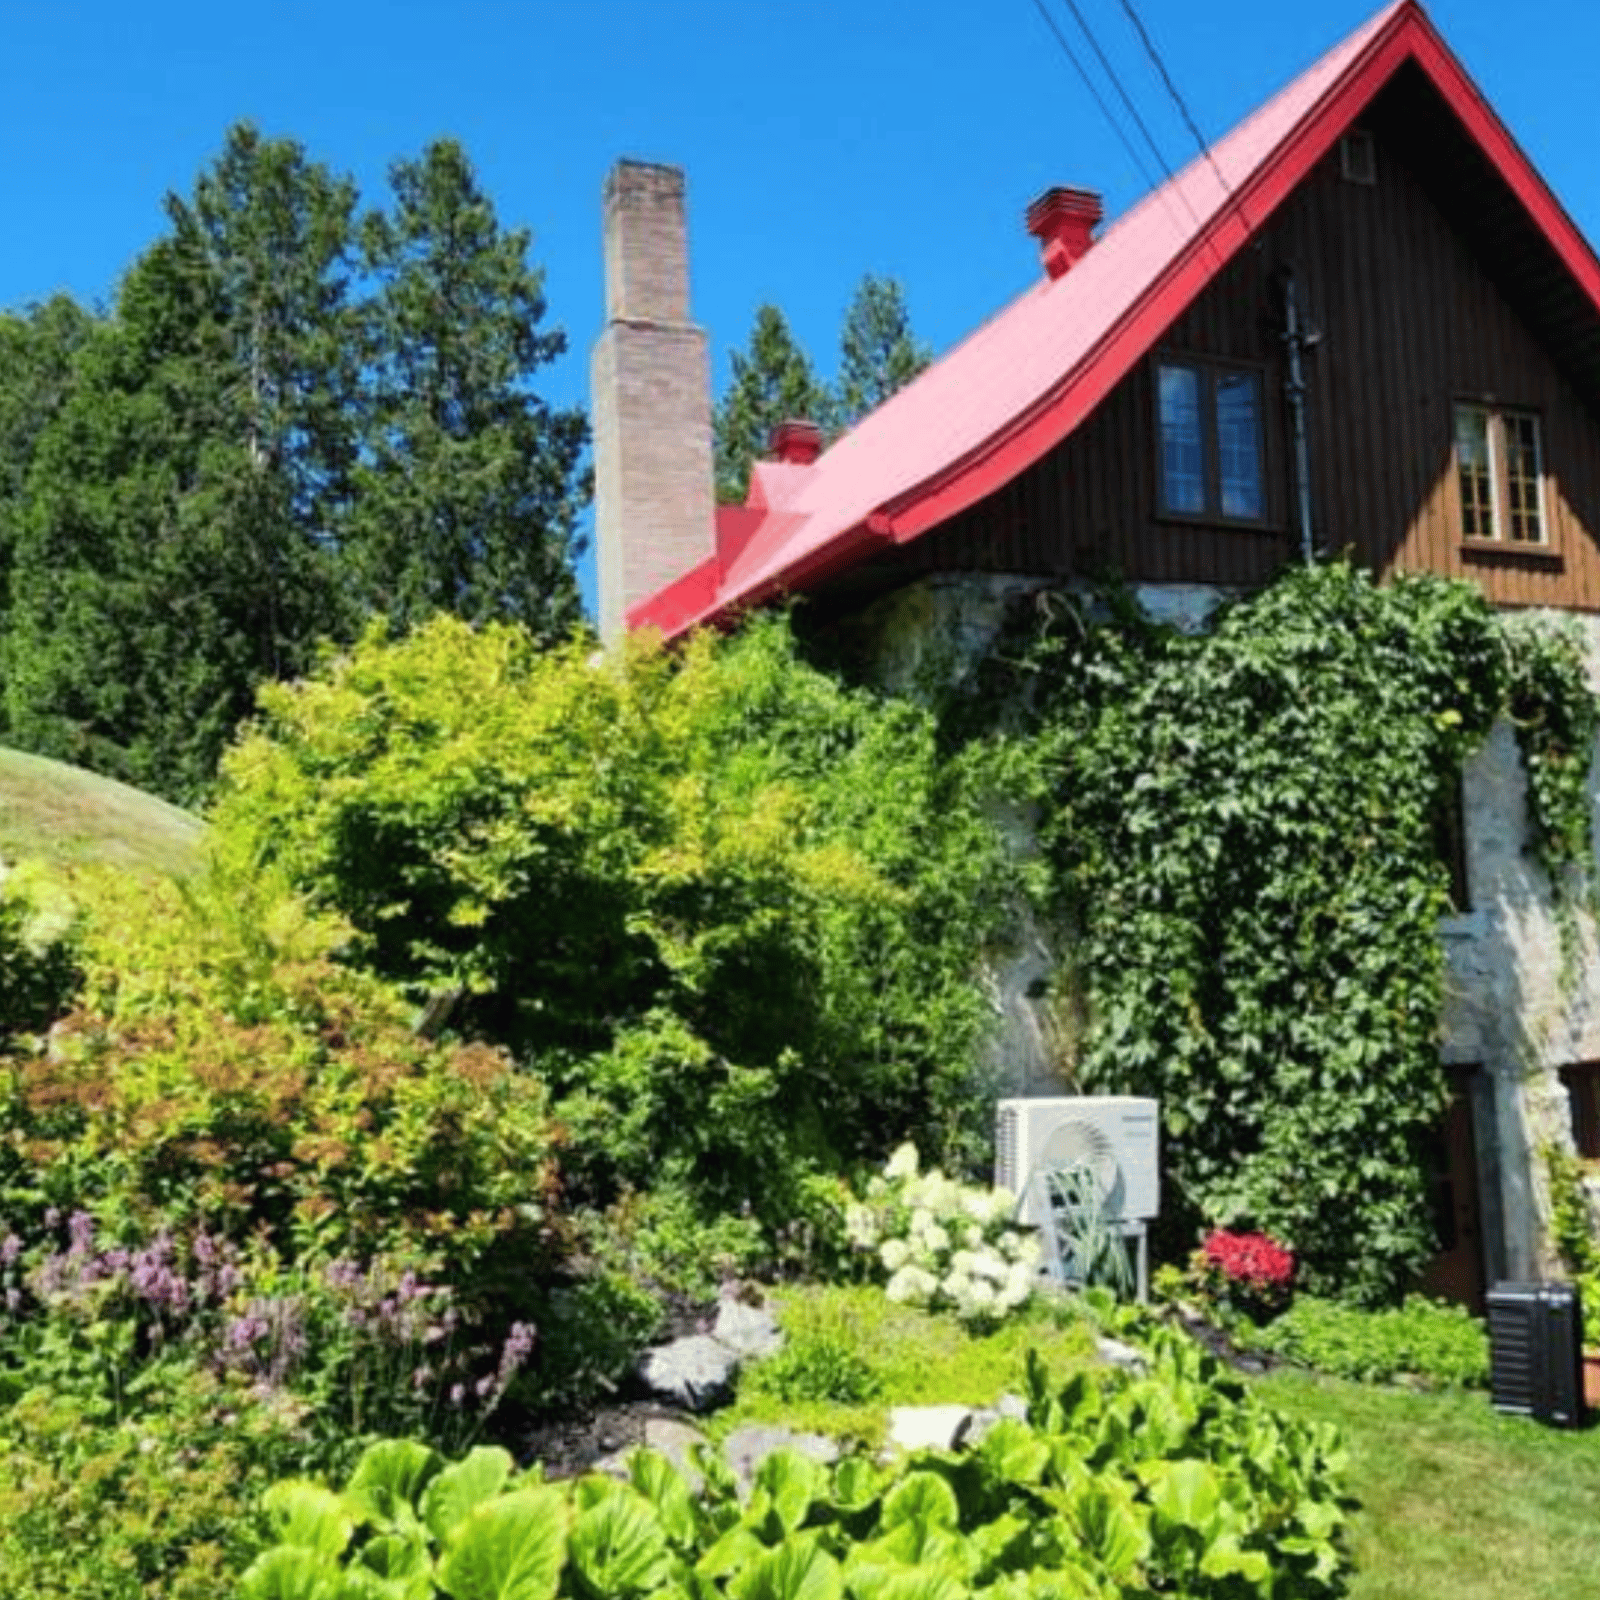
1063	221
796	443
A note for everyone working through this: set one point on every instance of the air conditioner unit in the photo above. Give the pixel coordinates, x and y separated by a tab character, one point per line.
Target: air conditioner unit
1112	1140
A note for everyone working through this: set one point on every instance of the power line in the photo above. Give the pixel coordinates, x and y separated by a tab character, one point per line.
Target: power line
1099	99
1116	83
1177	99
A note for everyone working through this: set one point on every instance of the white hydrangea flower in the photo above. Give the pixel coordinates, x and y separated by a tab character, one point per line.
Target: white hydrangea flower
903	1163
991	1265
972	1236
1020	1245
912	1286
894	1253
861	1226
936	1239
1020	1280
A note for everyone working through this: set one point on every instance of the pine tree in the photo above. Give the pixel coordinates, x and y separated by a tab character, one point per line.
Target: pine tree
878	353
183	506
468	499
771	382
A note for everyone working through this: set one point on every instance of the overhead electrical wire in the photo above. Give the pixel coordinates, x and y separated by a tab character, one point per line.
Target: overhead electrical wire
1178	100
1099	99
1116	83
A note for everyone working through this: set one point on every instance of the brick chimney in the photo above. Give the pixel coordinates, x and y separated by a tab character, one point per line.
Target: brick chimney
650	379
1063	221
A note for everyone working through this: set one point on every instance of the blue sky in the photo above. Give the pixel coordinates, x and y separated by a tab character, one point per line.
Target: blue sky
821	140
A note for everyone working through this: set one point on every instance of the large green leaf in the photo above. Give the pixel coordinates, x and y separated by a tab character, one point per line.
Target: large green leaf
667	1490
510	1548
1011	1452
786	1484
874	1582
924	1498
856	1483
478	1476
388	1482
291	1572
401	1562
1185	1494
308	1516
618	1547
738	1547
1106	1522
797	1569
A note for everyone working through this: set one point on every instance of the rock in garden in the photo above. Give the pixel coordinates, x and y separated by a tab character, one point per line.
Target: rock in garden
751	1331
1117	1354
1008	1408
928	1427
746	1448
695	1372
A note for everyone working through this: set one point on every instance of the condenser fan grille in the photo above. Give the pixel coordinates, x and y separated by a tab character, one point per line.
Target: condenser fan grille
1082	1153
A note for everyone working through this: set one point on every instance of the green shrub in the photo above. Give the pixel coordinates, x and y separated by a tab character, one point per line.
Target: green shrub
37	974
222	1074
1178	1482
730	910
1424	1341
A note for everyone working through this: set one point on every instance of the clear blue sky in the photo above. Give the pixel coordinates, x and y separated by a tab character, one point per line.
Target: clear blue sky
822	139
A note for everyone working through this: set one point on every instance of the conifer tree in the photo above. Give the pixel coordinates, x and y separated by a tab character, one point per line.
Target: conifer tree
468	497
771	382
878	352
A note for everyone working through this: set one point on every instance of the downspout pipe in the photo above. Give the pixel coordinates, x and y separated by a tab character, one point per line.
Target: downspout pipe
1298	342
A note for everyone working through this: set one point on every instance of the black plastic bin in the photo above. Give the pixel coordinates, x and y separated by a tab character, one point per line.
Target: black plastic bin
1536	1352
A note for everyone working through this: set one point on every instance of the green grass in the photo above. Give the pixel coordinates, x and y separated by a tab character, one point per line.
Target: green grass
1456	1501
856	1341
66	817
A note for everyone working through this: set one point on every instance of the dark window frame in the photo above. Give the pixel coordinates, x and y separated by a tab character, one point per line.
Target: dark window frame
1210	373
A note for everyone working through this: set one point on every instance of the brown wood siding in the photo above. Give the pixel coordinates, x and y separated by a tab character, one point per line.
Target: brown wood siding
1410	323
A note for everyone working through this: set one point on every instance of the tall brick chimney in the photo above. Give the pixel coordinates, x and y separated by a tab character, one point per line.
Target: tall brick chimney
650	379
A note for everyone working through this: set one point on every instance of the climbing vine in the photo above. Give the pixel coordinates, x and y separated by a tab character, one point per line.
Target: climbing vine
1242	830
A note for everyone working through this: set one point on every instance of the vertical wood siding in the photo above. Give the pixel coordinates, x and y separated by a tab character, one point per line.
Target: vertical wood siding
1410	324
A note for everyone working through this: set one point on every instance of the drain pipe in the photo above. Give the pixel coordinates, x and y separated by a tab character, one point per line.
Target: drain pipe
1299	342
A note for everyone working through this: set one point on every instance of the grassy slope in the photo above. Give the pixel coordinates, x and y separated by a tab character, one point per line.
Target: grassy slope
1458	1503
68	817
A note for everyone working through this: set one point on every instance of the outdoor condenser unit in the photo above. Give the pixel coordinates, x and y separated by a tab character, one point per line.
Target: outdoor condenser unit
1535	1345
1112	1139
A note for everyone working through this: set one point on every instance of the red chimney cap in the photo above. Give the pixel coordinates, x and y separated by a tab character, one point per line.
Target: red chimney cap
796	443
1063	220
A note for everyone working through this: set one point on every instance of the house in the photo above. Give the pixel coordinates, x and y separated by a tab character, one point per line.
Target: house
1361	322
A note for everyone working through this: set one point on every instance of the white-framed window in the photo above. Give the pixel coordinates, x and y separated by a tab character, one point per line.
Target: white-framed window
1500	472
1209	418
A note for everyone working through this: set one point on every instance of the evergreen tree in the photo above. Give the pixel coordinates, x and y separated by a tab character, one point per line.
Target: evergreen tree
37	347
771	382
468	499
182	506
878	353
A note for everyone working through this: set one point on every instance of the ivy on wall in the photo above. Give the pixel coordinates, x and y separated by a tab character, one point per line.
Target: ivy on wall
1242	829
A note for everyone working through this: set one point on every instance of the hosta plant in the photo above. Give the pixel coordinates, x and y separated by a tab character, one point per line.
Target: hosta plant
1176	1482
940	1243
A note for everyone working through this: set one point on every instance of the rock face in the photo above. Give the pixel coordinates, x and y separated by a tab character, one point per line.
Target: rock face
696	1372
749	1331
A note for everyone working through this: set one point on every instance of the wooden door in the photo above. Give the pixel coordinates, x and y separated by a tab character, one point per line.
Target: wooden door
1456	1273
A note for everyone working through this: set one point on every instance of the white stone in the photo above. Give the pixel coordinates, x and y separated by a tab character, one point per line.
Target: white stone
696	1372
928	1427
749	1331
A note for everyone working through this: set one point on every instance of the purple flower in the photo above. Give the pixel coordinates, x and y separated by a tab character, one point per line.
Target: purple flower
10	1249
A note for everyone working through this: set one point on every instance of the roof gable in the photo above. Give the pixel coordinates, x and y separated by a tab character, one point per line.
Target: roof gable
1024	380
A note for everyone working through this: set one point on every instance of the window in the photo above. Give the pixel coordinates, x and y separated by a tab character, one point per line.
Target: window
1583	1102
1210	425
1500	468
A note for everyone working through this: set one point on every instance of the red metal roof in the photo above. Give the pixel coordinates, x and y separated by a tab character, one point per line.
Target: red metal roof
1029	376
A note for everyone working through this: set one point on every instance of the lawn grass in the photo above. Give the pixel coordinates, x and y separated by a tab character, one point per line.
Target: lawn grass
838	1336
66	817
1456	1501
